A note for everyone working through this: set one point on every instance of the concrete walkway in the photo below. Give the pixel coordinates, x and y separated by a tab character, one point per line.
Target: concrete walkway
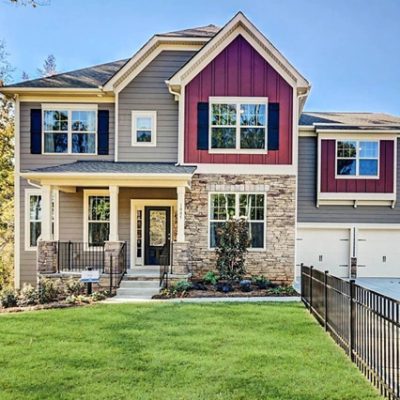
121	300
387	286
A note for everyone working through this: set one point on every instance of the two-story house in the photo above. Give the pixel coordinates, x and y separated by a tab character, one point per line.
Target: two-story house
201	125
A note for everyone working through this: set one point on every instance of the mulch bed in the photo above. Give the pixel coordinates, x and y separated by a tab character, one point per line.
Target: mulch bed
212	292
36	307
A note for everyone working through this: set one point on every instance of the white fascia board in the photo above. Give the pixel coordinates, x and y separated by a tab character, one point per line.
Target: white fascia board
245	169
356	196
146	54
91	175
239	24
357	133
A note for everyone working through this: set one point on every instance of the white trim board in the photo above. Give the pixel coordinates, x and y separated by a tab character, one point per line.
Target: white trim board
136	204
38	192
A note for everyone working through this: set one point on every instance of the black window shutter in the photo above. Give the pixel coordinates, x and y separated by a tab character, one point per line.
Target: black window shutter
102	132
273	126
202	126
36	131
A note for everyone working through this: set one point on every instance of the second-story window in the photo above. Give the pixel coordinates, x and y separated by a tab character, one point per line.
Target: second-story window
238	124
69	130
357	158
144	128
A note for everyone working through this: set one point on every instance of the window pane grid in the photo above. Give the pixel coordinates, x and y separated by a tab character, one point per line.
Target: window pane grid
240	126
225	206
69	131
98	220
357	158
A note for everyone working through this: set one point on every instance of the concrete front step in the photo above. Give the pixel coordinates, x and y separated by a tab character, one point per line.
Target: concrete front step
137	291
140	284
142	277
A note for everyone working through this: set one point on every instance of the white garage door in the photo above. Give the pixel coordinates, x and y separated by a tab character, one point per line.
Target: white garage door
378	253
325	249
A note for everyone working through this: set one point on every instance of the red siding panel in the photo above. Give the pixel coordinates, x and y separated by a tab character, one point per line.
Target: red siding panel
330	184
239	70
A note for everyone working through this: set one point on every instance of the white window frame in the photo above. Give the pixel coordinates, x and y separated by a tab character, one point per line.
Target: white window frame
237	101
145	114
357	158
69	108
38	192
86	195
237	213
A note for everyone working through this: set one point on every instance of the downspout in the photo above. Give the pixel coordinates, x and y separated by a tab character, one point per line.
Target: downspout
177	96
34	184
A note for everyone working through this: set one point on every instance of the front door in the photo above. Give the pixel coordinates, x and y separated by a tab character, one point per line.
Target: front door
157	233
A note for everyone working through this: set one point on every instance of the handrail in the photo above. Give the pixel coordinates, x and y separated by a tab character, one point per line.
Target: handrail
165	263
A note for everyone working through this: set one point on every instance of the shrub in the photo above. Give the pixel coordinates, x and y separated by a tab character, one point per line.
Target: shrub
210	278
182	286
261	282
74	286
49	290
198	286
98	296
245	285
28	296
224	287
283	291
8	298
232	243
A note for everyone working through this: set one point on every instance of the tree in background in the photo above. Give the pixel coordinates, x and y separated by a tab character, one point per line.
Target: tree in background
49	67
24	76
6	176
33	3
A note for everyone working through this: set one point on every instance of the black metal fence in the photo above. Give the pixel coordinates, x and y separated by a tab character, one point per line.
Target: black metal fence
80	256
165	264
364	323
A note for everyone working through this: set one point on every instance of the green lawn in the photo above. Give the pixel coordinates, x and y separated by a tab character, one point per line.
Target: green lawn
174	351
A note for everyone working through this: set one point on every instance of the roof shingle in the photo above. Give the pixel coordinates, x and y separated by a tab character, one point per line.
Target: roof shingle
200	31
117	168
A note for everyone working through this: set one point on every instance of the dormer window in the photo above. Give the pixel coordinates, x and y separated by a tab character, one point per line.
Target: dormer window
238	124
356	158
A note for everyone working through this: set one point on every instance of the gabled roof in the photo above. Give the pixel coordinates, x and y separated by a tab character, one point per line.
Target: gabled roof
349	120
200	31
239	25
91	77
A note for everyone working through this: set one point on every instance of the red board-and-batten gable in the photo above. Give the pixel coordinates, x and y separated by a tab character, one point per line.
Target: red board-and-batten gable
331	184
239	70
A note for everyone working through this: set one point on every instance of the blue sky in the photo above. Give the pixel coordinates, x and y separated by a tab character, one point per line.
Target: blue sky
348	49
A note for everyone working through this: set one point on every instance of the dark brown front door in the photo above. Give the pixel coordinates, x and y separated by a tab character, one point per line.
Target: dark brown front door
157	233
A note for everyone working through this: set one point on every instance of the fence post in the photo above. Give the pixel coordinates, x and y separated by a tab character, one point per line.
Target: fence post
111	273
326	299
311	278
301	281
69	255
352	319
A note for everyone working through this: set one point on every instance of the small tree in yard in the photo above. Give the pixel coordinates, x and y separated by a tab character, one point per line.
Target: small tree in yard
231	250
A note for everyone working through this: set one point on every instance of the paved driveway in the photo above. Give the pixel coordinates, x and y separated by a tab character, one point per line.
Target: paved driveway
388	286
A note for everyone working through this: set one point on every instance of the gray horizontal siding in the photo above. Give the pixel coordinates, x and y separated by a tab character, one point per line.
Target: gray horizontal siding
71	220
29	160
307	193
149	92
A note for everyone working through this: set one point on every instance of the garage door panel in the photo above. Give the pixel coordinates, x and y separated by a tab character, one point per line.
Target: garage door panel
378	253
325	249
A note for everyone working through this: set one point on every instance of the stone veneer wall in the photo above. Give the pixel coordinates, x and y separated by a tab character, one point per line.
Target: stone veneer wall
278	260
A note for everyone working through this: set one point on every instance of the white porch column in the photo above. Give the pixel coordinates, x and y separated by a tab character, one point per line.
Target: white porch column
180	237
46	234
114	190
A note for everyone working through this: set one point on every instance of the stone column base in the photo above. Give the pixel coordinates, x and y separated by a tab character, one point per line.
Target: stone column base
47	257
112	259
180	258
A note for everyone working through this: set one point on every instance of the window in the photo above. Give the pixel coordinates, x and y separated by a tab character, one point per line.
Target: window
144	128
97	210
69	130
238	124
33	212
225	206
357	158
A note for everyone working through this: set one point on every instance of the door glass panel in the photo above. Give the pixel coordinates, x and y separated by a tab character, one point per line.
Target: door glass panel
158	223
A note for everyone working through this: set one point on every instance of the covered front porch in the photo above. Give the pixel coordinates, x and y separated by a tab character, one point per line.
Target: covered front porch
103	217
